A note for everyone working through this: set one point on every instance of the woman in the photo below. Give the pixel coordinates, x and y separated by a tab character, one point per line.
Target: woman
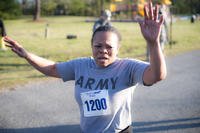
104	84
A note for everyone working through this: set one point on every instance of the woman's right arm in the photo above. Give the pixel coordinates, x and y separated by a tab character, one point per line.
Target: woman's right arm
43	65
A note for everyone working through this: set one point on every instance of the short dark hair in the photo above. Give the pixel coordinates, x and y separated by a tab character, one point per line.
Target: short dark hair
106	28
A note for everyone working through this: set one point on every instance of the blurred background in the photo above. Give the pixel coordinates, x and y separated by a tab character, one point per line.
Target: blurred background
61	30
12	9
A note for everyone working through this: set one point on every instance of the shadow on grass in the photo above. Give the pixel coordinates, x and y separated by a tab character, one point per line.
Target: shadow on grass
166	125
50	129
13	65
37	76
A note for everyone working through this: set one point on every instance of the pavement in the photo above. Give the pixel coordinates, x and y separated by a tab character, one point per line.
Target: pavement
170	106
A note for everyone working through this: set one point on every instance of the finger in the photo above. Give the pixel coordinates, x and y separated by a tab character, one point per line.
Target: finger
150	10
141	23
6	38
156	13
9	40
146	15
8	45
161	20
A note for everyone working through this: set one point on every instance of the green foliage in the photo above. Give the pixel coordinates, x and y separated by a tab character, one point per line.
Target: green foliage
48	7
187	6
70	7
93	7
12	9
9	9
77	7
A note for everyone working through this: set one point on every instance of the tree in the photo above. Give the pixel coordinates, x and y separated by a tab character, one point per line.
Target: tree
37	11
48	7
9	9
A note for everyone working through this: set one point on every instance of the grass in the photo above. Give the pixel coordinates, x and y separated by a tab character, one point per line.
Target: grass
16	71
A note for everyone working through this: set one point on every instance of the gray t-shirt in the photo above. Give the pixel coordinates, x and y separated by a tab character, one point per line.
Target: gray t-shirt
104	95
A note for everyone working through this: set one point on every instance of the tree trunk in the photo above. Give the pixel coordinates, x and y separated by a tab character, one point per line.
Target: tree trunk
36	16
102	5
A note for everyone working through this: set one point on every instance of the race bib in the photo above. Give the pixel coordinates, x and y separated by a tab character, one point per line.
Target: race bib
95	103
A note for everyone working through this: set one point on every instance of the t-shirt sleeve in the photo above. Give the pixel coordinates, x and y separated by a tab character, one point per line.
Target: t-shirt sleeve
66	70
137	71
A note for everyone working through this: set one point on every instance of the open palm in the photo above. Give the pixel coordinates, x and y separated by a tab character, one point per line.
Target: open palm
151	26
15	46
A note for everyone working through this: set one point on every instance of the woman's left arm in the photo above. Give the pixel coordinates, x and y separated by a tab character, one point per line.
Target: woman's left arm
150	28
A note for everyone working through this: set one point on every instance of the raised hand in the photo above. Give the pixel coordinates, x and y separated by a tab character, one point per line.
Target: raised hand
151	26
15	47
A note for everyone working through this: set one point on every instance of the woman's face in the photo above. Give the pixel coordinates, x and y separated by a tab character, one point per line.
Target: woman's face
105	47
